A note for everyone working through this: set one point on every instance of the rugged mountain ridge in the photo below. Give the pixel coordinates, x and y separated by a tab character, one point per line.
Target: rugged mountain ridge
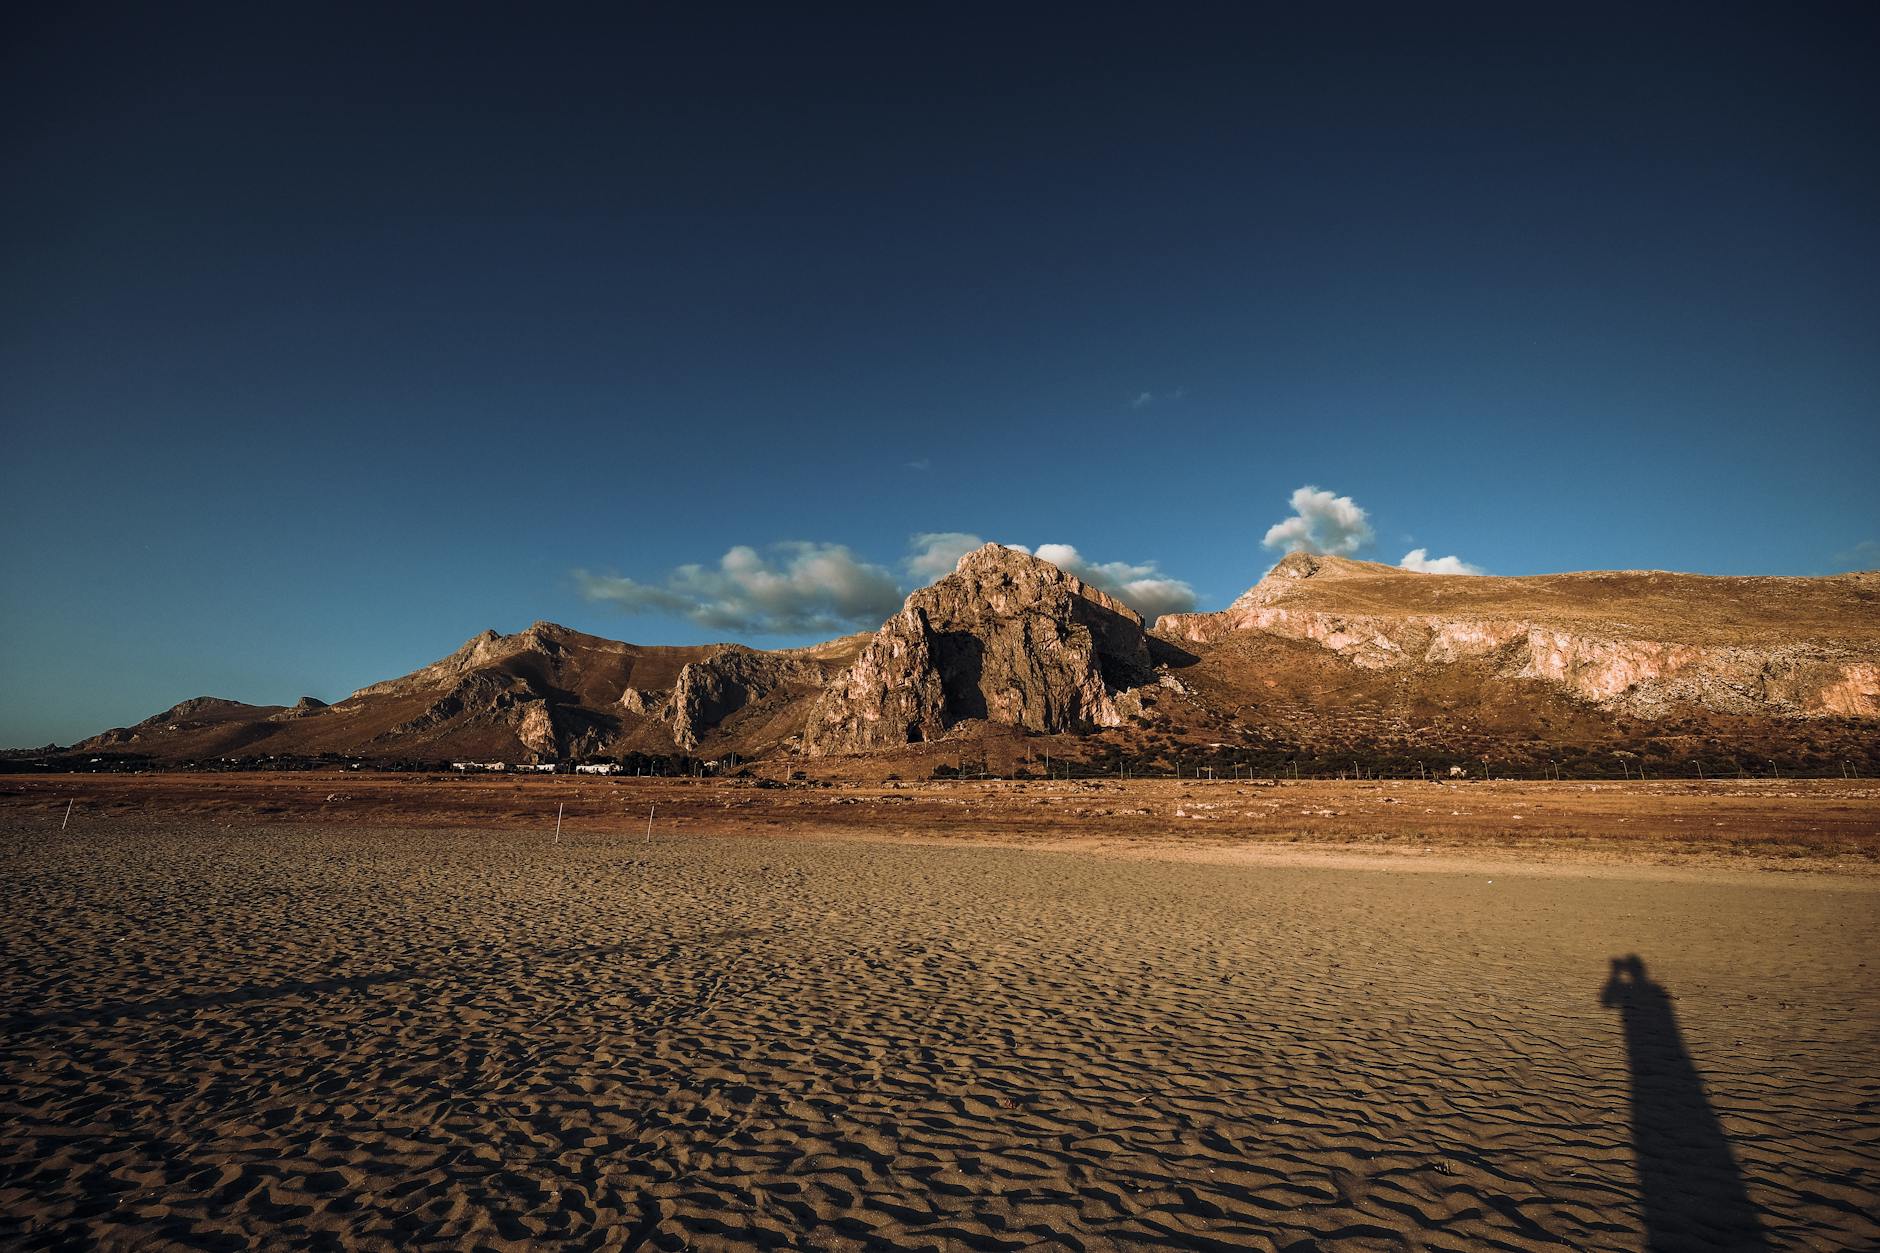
197	714
1323	656
1644	642
546	692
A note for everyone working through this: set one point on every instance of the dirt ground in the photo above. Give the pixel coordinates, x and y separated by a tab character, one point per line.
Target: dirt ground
1802	826
345	1011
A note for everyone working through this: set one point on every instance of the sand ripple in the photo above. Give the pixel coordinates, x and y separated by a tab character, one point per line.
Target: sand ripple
230	1038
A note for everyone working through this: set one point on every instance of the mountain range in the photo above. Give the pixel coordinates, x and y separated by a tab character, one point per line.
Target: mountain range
1325	661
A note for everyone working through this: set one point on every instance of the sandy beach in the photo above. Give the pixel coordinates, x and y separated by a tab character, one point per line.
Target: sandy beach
254	1033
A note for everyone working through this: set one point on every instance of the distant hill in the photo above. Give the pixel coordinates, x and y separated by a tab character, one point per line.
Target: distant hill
1324	659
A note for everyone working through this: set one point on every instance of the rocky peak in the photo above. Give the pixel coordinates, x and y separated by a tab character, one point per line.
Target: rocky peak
301	708
1297	566
1289	578
1006	637
486	648
199	707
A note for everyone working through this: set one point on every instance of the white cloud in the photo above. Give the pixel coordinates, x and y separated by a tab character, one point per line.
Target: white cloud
1144	399
802	588
933	554
1321	523
793	588
1143	587
1419	559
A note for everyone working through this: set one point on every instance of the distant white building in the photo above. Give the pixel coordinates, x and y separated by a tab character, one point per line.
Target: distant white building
491	766
606	767
547	767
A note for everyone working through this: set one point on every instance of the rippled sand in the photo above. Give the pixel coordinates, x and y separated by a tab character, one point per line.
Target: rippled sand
252	1035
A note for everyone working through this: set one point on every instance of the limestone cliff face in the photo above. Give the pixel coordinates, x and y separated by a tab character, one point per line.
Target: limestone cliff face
1006	638
891	695
1638	641
535	727
709	691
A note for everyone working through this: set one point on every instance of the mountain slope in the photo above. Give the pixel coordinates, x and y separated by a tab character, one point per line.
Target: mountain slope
1642	641
546	692
1323	660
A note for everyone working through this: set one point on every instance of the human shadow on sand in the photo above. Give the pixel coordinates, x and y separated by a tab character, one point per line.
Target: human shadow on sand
1690	1187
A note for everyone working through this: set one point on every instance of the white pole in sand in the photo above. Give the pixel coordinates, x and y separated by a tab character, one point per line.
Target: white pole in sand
68	812
649	823
558	809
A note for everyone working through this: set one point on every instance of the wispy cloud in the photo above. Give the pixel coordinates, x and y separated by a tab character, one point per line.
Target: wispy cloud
919	463
1321	523
793	588
801	588
1419	559
933	554
1862	556
1143	400
1142	587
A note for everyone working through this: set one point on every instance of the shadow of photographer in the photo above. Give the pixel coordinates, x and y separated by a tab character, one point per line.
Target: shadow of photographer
1690	1187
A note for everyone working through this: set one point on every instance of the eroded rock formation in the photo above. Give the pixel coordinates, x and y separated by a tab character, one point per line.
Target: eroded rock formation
306	706
644	702
1005	637
709	691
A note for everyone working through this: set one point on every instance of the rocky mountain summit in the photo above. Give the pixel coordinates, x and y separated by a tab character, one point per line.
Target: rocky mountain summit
1005	638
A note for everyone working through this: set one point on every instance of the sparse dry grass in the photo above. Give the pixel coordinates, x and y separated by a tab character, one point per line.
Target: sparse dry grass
1825	825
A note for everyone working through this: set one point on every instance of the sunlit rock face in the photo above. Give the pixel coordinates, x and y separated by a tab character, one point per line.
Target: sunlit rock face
1641	641
644	702
1006	638
709	691
535	727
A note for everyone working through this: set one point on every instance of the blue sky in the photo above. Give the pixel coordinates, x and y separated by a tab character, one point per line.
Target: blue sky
332	337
